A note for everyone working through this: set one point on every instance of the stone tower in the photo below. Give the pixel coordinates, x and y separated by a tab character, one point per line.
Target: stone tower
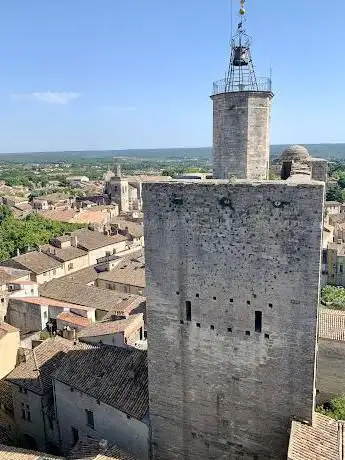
241	115
232	275
117	189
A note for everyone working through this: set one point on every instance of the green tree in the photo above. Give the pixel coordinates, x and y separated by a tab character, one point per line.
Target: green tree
334	409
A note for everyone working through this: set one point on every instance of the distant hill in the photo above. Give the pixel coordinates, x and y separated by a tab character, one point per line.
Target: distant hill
327	151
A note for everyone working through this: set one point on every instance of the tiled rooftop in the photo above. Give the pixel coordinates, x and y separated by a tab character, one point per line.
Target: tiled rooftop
8	274
52	303
35	373
91	450
89	296
15	453
84	276
36	262
112	375
130	273
321	441
73	319
89	239
64	254
111	327
6	328
331	324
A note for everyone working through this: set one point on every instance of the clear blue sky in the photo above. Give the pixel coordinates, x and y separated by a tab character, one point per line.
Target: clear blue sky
110	74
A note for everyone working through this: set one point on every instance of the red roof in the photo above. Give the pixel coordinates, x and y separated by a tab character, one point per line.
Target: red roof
52	303
73	319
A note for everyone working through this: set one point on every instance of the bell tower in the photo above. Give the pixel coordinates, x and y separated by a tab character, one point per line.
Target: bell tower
241	114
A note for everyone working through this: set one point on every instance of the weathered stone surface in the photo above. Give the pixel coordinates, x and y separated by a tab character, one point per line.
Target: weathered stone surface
241	135
219	389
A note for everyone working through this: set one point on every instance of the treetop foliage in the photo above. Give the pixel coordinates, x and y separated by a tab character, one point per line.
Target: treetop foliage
28	233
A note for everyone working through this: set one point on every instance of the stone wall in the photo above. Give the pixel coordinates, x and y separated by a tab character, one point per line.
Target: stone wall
330	380
241	135
218	256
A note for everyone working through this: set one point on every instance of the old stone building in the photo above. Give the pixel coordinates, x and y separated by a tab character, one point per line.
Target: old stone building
101	393
233	309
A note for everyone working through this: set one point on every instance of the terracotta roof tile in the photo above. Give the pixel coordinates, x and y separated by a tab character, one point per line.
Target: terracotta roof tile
6	328
89	296
51	302
111	327
9	274
130	273
113	375
73	319
64	254
36	262
14	453
331	324
317	442
35	373
89	239
90	449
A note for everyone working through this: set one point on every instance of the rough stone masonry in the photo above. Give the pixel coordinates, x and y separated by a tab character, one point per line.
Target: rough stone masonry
241	134
232	293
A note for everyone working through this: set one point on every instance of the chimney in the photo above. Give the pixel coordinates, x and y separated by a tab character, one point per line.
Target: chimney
103	444
118	170
18	252
74	241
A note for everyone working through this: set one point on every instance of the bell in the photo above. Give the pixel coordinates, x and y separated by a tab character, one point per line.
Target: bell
241	56
242	11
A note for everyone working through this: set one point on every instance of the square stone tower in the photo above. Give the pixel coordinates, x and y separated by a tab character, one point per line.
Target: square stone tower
117	189
232	292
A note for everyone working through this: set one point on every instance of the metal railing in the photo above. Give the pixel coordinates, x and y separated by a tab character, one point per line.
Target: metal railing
224	86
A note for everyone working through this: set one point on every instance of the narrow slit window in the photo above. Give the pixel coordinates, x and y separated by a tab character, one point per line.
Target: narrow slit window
258	321
188	310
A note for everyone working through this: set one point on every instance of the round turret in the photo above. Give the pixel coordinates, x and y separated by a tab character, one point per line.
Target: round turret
295	153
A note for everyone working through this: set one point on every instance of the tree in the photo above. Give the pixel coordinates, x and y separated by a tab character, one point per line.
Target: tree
334	409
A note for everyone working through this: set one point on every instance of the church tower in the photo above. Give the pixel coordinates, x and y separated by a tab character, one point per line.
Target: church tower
241	114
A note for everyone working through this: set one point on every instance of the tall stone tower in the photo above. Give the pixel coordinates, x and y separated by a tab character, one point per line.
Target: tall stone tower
232	276
241	115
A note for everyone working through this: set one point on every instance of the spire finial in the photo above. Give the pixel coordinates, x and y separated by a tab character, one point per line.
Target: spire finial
243	8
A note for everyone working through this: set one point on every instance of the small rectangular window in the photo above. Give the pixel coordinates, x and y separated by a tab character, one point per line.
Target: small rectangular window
188	310
197	324
341	268
258	321
212	327
89	418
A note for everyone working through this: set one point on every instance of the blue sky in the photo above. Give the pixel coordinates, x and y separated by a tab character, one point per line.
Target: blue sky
111	74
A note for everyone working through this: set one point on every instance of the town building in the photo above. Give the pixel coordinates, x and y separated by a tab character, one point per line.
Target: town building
31	314
127	277
8	275
42	267
32	393
9	345
72	258
121	333
102	393
109	305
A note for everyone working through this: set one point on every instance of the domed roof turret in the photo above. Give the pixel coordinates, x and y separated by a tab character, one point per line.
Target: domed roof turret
295	153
